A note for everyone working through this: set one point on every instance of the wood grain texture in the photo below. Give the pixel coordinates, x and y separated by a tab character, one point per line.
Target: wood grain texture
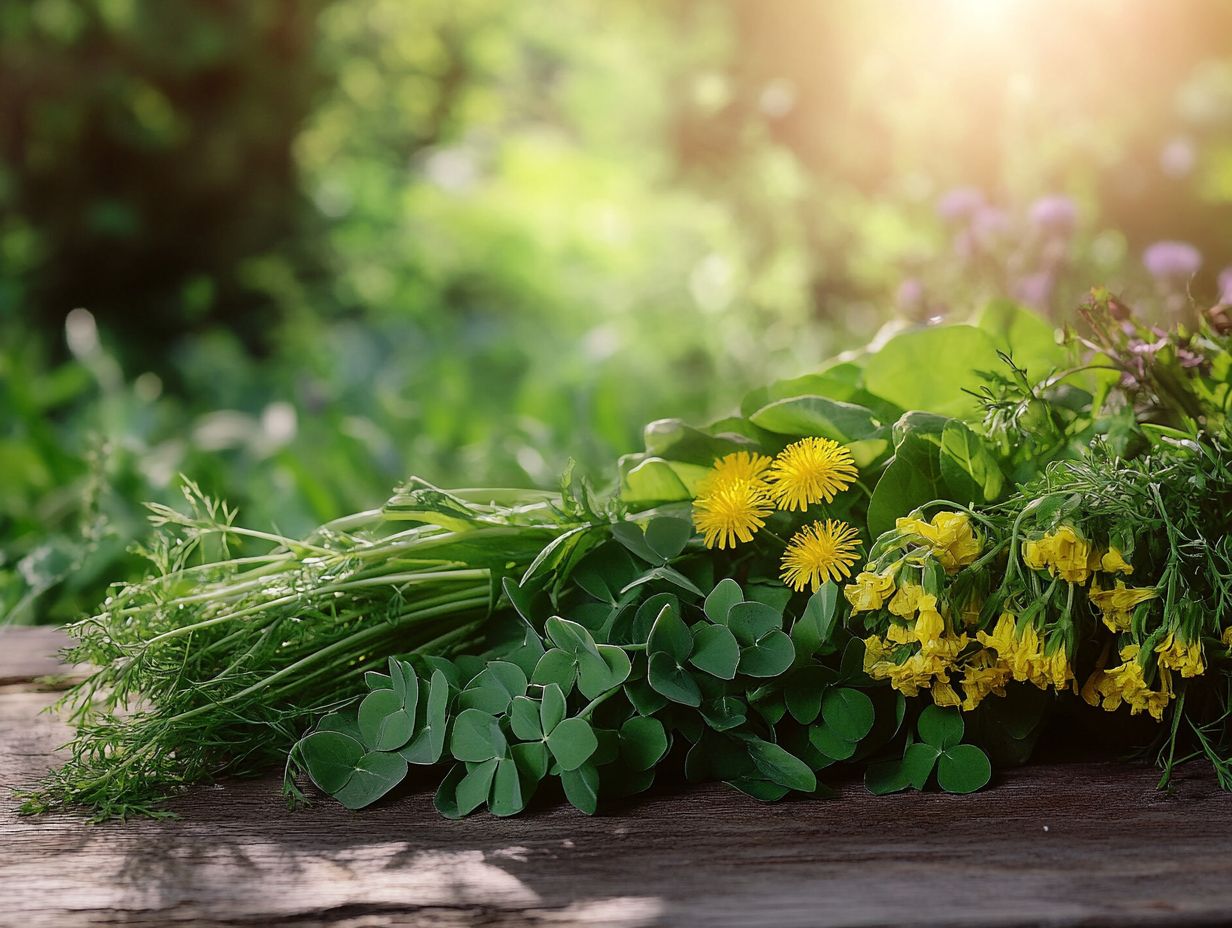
1059	844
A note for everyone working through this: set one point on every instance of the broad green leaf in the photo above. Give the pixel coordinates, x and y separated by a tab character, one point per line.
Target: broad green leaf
552	708
772	655
492	691
667	536
830	743
476	737
942	728
670	635
781	766
572	742
532	760
654	480
644	698
524	718
346	721
752	621
377	681
813	629
429	742
969	470
508	796
906	370
715	651
582	788
331	758
1024	334
816	415
643	742
446	798
647	612
671	680
476	786
376	773
804	691
725	595
963	768
569	636
886	777
597	675
556	666
724	713
848	712
918	761
384	722
630	535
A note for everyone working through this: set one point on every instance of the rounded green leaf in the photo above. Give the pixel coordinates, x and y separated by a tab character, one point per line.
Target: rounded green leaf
643	742
942	728
647	612
524	718
375	775
582	788
569	636
476	786
331	758
572	742
725	595
918	761
715	651
446	798
781	766
552	708
556	666
669	679
429	742
804	691
886	777
670	635
384	722
750	622
769	657
724	713
963	768
508	795
532	760
598	674
476	737
848	712
833	745
667	536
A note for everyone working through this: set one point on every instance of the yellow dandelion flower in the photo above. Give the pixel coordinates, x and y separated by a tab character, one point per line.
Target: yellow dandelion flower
820	552
731	513
737	467
811	470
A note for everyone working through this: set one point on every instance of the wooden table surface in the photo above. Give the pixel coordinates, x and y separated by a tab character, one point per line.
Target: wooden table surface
1062	844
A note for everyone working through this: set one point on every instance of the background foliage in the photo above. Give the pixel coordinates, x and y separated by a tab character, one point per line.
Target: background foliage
320	245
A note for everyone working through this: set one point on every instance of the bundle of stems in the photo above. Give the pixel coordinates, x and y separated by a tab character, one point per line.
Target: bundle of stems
216	662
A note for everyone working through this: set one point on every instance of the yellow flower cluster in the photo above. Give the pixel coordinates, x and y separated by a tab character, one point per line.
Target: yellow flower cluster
929	666
742	489
1066	554
1023	653
1116	606
1126	684
949	535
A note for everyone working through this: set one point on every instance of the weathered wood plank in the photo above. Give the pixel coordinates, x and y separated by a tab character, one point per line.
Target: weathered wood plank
1090	844
29	653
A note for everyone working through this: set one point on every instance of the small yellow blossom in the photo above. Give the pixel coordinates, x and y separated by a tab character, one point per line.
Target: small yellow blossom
950	537
874	650
1113	562
1063	553
1185	657
811	470
868	592
1126	684
1117	605
731	513
944	695
1226	637
906	600
983	675
818	553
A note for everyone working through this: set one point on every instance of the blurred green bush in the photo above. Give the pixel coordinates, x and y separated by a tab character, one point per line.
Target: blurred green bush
326	243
